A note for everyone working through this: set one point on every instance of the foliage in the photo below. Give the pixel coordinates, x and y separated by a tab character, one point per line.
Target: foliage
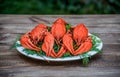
68	26
14	45
59	6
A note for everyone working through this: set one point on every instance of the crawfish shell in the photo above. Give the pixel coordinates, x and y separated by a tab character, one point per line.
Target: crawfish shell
58	30
80	33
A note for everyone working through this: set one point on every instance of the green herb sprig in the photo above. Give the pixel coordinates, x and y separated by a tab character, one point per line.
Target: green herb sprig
14	45
68	26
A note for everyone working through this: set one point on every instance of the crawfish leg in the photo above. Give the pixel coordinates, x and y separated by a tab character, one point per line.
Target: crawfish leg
32	46
45	50
26	42
61	52
48	43
67	41
53	54
83	48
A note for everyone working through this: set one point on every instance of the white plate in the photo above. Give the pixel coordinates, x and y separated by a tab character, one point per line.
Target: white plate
98	45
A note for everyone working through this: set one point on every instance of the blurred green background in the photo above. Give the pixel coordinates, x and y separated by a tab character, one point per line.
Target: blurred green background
59	6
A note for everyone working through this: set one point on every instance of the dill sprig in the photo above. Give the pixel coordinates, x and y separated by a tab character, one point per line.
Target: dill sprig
85	59
67	54
68	26
49	29
56	47
14	45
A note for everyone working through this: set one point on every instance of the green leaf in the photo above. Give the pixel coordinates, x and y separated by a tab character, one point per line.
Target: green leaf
85	61
100	51
28	51
68	26
40	44
32	52
14	42
56	48
42	53
75	45
67	54
49	29
18	45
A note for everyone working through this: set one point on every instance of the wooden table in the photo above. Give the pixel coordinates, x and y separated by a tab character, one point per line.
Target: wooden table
106	64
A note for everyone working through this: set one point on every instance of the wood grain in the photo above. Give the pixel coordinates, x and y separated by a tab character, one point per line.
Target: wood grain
106	64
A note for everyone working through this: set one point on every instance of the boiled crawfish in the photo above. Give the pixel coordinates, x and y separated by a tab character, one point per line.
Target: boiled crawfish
37	34
58	29
26	42
31	39
84	47
80	33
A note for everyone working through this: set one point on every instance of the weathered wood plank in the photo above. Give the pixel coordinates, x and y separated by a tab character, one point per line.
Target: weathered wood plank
91	29
64	72
103	60
32	25
106	64
48	19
